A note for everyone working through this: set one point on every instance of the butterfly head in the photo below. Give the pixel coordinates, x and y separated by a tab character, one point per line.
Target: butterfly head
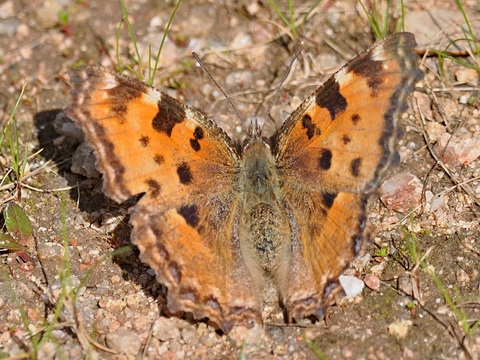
258	131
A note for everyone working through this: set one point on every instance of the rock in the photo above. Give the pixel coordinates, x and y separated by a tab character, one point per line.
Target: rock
113	305
47	351
242	335
402	192
459	149
50	251
47	13
134	301
83	162
189	335
434	130
241	41
8	27
462	277
63	125
124	341
7	10
466	76
372	282
400	328
165	329
351	285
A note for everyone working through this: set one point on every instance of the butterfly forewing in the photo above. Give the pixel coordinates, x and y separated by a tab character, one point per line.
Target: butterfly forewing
345	134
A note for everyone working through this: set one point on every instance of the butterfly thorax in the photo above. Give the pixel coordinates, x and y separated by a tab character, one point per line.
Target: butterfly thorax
264	227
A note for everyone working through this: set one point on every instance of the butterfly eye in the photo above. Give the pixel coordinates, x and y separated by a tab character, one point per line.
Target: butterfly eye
256	143
268	141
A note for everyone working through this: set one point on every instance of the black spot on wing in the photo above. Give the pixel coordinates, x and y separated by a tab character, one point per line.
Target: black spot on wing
312	129
159	159
190	214
355	119
170	113
195	145
144	140
184	174
346	139
198	133
355	165
370	69
325	159
154	187
330	98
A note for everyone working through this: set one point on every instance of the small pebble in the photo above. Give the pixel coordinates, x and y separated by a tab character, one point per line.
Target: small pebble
165	329
402	192
351	285
400	328
372	282
124	341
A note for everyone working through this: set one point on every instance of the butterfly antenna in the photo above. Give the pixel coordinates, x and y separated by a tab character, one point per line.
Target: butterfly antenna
298	50
204	67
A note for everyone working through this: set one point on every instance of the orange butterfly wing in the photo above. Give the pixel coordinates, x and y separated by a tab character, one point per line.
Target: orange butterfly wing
147	142
333	152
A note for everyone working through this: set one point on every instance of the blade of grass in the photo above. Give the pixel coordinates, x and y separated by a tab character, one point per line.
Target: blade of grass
153	73
289	22
402	18
472	40
460	314
137	58
18	164
152	70
12	113
34	338
372	19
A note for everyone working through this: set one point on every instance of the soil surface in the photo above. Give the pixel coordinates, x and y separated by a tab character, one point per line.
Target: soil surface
81	301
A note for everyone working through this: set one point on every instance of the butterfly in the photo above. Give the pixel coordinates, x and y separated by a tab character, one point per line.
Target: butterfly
221	223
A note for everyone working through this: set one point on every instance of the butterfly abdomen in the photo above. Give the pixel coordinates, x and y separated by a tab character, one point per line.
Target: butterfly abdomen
264	227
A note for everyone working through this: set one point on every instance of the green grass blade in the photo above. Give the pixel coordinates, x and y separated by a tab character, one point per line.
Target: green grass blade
131	33
153	73
467	22
289	22
13	139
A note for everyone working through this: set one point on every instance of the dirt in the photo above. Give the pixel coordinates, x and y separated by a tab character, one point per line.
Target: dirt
118	310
